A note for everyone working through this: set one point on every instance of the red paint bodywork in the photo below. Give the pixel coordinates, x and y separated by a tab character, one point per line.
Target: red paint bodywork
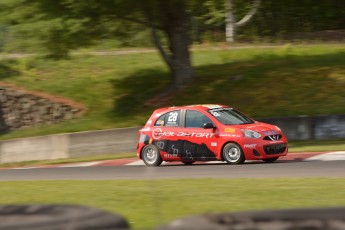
213	138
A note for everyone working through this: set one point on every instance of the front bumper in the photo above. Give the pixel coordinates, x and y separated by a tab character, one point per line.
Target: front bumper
275	149
265	149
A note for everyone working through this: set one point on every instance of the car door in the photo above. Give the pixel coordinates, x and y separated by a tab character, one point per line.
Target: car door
165	135
199	143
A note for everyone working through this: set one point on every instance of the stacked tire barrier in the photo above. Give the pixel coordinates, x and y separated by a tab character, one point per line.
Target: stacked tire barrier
58	217
294	219
75	217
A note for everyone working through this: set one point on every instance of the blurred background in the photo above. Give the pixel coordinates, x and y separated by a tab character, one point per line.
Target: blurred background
80	65
119	60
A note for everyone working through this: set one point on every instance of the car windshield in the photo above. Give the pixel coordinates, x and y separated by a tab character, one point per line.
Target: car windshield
230	116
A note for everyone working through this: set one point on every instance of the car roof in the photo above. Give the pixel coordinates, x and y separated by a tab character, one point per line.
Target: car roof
197	106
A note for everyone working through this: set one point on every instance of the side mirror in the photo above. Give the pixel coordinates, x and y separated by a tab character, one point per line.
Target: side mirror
209	125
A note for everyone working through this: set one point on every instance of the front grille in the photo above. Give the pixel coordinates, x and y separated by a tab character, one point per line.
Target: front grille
276	137
274	149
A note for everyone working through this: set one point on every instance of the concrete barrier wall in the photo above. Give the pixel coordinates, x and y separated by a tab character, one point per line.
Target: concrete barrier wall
103	142
124	140
69	145
35	148
310	127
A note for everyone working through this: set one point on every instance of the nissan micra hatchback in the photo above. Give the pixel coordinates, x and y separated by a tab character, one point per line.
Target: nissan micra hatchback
208	133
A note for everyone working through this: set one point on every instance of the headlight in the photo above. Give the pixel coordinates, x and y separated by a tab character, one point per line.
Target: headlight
250	133
278	128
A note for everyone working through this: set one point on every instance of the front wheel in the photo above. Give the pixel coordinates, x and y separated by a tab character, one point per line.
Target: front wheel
233	154
270	160
151	156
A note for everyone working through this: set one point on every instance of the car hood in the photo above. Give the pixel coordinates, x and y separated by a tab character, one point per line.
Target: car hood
257	127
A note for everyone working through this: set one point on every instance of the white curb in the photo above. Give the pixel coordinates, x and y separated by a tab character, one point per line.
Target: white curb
332	156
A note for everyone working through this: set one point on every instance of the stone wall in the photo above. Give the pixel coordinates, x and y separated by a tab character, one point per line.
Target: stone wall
20	108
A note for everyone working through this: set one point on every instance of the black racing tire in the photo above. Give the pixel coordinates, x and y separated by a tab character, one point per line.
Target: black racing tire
307	218
188	162
151	155
233	154
270	160
58	217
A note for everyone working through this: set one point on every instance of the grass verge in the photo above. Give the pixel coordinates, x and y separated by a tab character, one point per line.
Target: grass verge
317	146
148	203
261	82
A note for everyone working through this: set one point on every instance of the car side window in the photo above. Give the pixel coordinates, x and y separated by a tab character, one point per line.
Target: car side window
195	119
169	119
160	121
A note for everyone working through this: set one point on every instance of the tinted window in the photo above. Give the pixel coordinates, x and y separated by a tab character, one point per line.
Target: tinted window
229	116
195	119
169	119
160	121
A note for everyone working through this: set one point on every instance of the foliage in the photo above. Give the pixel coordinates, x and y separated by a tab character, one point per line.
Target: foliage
54	25
67	24
3	33
289	20
59	26
275	20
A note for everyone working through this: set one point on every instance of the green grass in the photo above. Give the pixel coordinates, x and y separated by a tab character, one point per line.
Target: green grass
317	146
261	82
148	203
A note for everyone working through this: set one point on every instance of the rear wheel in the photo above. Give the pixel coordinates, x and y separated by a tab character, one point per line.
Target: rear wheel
270	160
233	154
151	155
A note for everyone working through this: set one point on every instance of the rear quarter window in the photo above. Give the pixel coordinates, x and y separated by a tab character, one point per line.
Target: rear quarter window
172	118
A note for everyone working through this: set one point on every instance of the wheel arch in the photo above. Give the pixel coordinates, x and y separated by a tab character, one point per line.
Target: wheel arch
140	150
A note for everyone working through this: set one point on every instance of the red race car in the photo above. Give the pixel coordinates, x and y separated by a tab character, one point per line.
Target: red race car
208	133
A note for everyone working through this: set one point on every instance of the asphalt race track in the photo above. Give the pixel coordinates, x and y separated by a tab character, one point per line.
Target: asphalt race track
279	169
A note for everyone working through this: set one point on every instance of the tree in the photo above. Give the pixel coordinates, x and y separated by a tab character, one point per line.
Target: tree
175	24
209	15
68	24
231	24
